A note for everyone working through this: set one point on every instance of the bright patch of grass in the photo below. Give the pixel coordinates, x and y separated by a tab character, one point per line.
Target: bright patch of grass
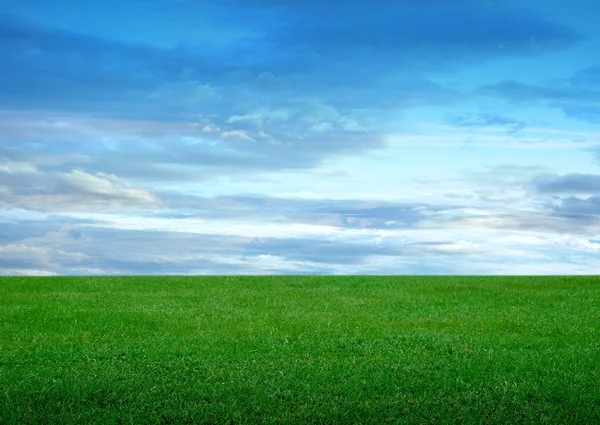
373	350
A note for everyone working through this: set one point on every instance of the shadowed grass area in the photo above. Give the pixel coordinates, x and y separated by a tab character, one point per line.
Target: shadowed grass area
376	350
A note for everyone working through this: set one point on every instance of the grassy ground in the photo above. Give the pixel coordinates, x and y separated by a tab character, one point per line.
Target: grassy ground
377	350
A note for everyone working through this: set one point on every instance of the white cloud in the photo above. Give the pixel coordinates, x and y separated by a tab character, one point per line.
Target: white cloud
577	243
210	128
321	127
21	249
106	185
25	272
15	167
259	116
520	240
237	134
459	246
349	124
230	227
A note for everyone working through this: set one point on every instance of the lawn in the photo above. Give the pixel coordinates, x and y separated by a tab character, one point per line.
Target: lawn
302	349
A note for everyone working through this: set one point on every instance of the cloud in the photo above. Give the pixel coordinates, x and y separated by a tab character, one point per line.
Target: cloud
515	91
568	183
349	214
297	87
87	248
20	256
482	120
572	197
25	272
549	217
316	251
446	243
163	151
104	186
589	113
587	78
15	167
577	96
454	29
74	190
586	210
45	66
328	47
581	244
18	225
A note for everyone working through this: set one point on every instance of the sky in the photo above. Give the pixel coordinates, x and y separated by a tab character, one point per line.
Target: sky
264	137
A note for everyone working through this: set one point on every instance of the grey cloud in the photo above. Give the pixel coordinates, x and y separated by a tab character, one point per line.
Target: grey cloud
554	211
66	246
87	249
14	230
502	184
24	256
550	219
569	184
343	213
109	251
586	210
571	197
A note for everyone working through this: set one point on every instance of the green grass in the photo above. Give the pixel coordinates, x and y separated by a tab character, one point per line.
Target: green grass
371	350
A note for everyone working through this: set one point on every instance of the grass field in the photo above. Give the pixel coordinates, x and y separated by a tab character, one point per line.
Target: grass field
376	350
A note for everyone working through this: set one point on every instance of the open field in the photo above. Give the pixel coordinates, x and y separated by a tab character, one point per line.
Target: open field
373	350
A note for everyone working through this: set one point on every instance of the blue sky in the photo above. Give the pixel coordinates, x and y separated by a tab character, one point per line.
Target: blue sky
299	137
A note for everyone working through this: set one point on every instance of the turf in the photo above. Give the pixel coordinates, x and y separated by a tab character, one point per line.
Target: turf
330	350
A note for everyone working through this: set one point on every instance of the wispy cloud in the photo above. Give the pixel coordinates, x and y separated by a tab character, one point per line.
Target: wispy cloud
576	96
